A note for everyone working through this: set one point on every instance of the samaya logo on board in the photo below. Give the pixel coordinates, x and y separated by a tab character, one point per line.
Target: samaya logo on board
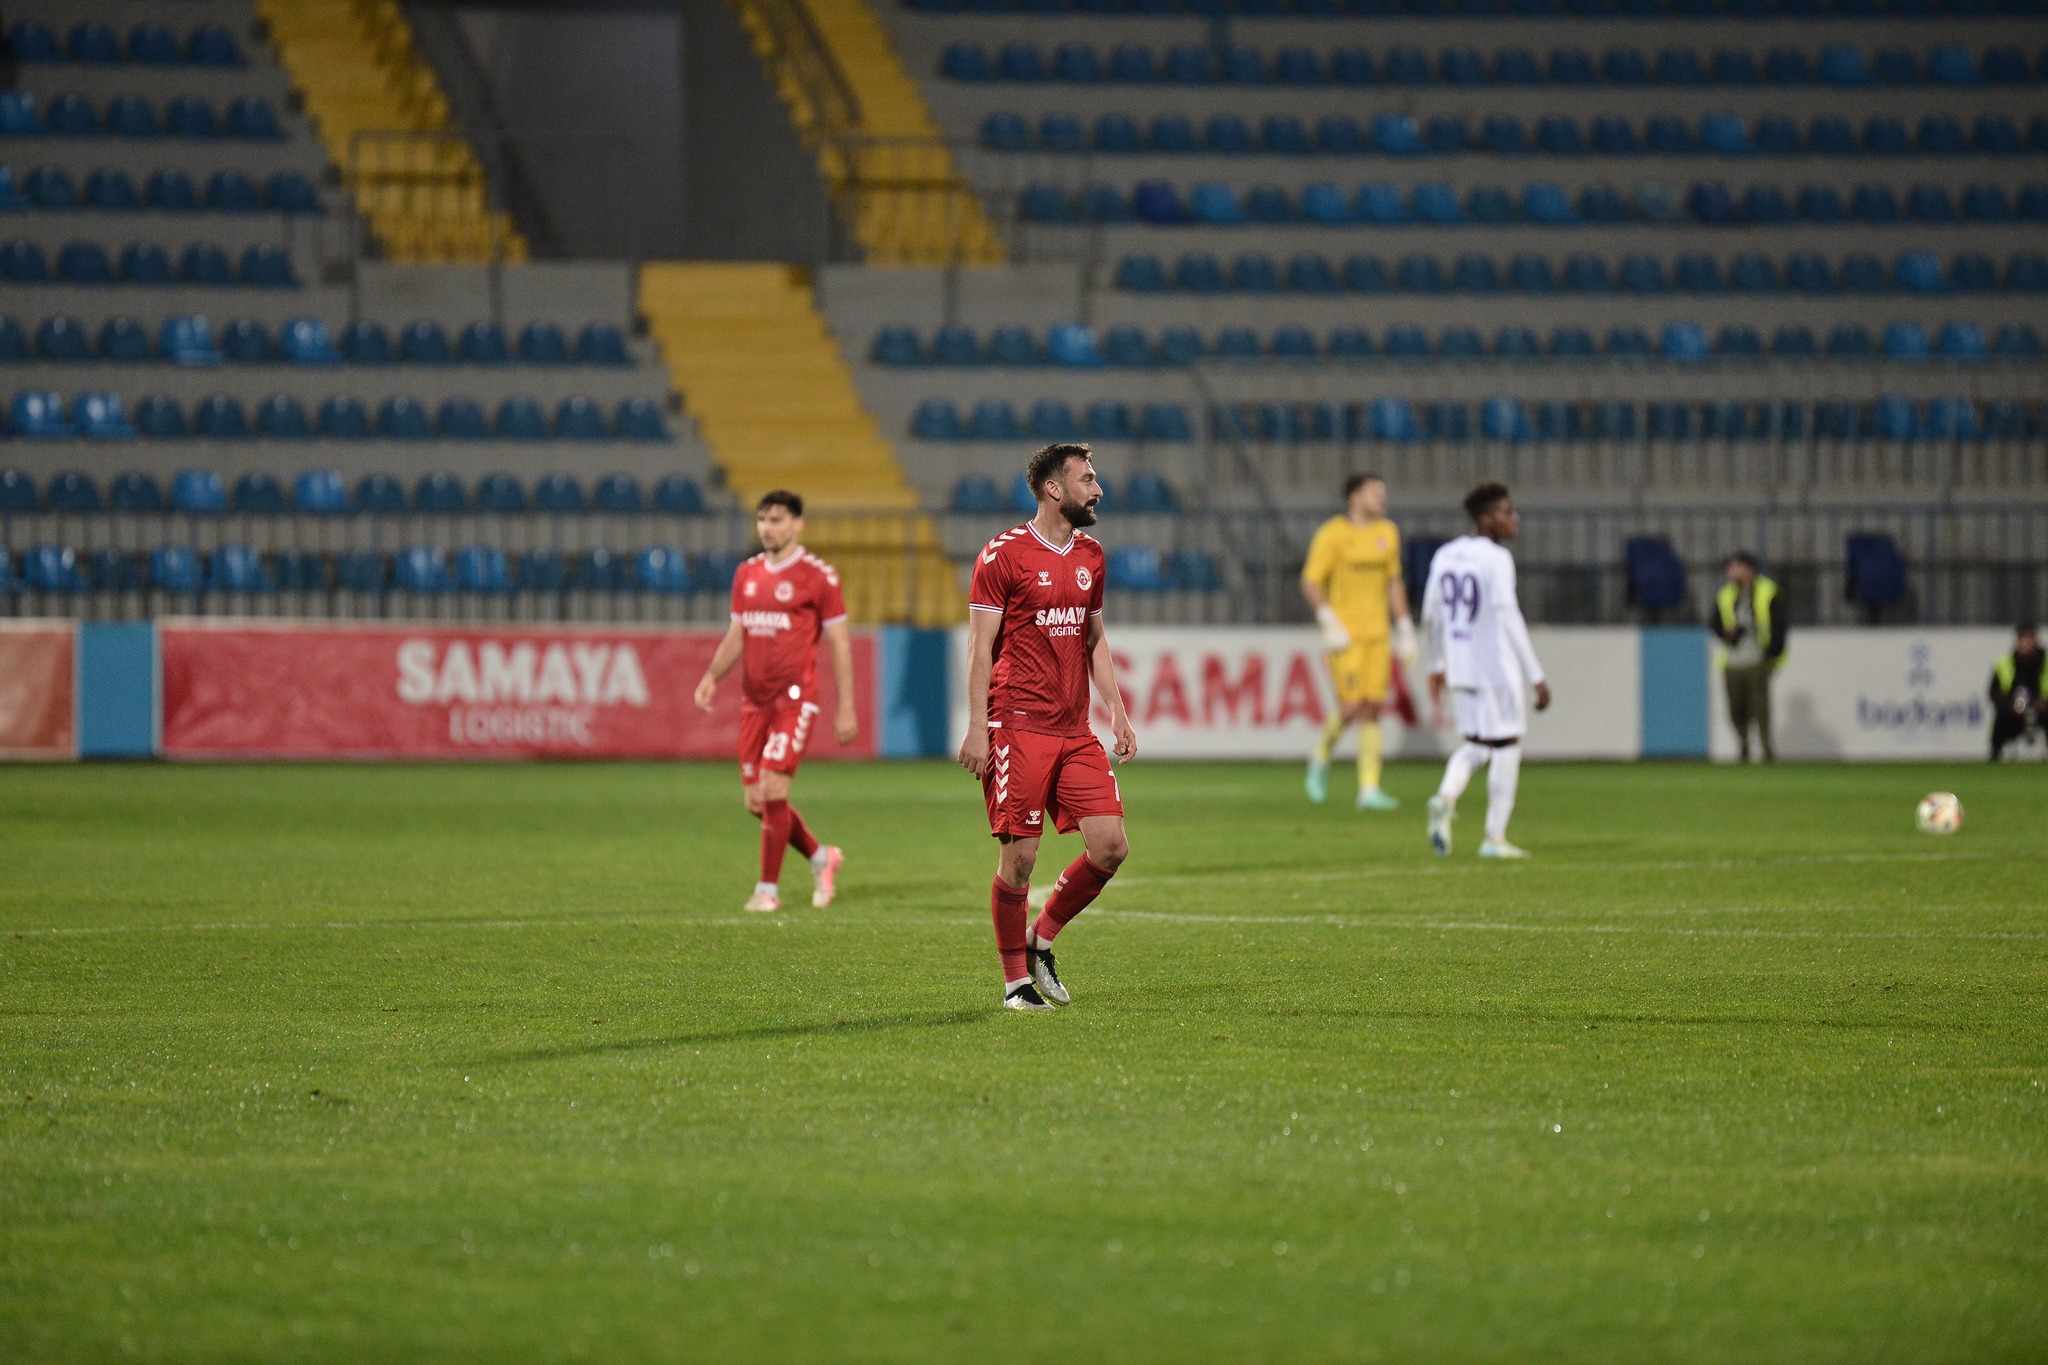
597	673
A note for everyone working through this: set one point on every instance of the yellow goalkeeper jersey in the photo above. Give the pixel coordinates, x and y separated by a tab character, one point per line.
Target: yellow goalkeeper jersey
1353	566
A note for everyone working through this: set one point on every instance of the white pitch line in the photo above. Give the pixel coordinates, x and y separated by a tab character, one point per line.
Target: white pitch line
323	926
1405	924
1485	869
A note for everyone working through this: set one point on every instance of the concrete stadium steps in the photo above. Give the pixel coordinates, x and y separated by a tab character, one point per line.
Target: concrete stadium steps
1009	173
198	158
121	15
625	608
1622	475
405	461
921	38
93	304
936	466
160	84
308	241
1110	243
718	532
488	385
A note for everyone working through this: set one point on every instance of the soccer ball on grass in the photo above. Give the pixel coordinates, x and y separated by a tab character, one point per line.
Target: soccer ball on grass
1939	813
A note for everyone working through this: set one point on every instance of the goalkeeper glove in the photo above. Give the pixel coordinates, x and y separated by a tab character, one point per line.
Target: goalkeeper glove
1335	637
1404	642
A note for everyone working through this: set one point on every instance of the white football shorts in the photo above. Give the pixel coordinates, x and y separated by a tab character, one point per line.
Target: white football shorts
1490	712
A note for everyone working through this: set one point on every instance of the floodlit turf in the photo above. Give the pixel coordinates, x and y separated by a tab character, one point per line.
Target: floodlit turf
404	1064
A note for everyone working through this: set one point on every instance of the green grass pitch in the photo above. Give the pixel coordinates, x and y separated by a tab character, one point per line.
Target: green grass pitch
419	1064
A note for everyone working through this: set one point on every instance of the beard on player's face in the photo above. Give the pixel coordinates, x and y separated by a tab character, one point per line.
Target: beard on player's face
1079	514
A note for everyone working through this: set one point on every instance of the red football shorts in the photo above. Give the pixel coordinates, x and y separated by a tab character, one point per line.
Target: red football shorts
772	738
1033	781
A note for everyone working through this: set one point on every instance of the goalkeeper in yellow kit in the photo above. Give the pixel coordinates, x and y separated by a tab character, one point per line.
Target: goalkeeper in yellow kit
1352	580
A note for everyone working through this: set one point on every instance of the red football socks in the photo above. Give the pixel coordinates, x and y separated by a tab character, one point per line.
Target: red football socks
1074	892
1009	907
800	837
775	822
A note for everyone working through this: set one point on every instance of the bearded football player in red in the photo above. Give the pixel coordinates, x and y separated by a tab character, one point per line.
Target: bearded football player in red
783	600
1035	643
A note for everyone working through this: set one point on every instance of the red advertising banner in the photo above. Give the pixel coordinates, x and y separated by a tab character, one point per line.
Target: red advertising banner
404	690
38	690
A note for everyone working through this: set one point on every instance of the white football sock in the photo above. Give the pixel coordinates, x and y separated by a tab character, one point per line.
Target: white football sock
1458	771
818	859
1500	789
767	889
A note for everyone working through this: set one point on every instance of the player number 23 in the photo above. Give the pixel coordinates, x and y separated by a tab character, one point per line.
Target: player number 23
777	747
1460	590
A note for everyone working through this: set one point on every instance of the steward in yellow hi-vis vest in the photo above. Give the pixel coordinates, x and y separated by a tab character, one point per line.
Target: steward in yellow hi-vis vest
1749	619
1352	580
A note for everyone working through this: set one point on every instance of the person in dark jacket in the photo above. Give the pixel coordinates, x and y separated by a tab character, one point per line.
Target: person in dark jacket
2018	703
1749	619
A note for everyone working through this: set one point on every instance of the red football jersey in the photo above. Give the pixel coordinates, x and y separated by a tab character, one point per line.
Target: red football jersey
1045	595
782	610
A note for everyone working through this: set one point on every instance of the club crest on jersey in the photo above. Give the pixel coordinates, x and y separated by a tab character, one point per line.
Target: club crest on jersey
1045	578
784	591
1082	578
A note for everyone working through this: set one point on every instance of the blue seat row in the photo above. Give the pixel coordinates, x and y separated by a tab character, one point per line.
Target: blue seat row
188	339
322	492
1141	494
994	419
134	116
1131	348
1542	203
40	415
1806	272
1528	9
1839	64
237	569
203	263
168	191
1891	417
1398	134
146	45
1656	571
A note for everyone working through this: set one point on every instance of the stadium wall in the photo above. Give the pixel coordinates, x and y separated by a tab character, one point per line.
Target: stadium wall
300	690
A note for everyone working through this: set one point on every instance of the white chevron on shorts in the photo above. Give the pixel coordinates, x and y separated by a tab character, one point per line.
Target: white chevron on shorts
1002	774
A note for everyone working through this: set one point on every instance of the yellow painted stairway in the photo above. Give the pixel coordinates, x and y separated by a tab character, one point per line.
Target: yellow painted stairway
748	350
908	201
420	185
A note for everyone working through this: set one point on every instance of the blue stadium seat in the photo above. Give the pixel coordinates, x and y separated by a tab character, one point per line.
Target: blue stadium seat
2017	341
363	343
379	495
542	343
190	116
1906	341
63	339
677	496
13	342
965	62
1165	422
425	343
112	571
521	418
319	492
185	340
1532	274
638	419
1108	420
401	418
1876	570
1076	62
17	492
123	341
72	491
360	571
601	343
994	419
1655	574
253	119
100	417
419	569
500	493
1012	345
1405	341
460	419
1136	568
558	494
439	494
1794	341
482	569
1052	420
198	492
84	263
266	267
212	45
23	262
662	569
51	569
111	191
1864	274
1198	272
304	341
977	494
344	419
1180	346
483	343
258	494
39	415
896	344
1573	343
936	419
174	568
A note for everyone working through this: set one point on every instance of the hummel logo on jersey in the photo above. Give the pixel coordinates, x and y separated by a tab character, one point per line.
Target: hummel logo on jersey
1033	818
1045	578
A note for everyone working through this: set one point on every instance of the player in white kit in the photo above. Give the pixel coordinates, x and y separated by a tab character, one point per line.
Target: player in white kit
1479	651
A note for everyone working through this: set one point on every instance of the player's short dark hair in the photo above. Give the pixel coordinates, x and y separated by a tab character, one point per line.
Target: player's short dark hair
1482	499
1052	459
780	497
1742	557
1358	481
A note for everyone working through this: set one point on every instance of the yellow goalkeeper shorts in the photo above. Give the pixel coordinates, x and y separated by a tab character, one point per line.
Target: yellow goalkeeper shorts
1361	672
